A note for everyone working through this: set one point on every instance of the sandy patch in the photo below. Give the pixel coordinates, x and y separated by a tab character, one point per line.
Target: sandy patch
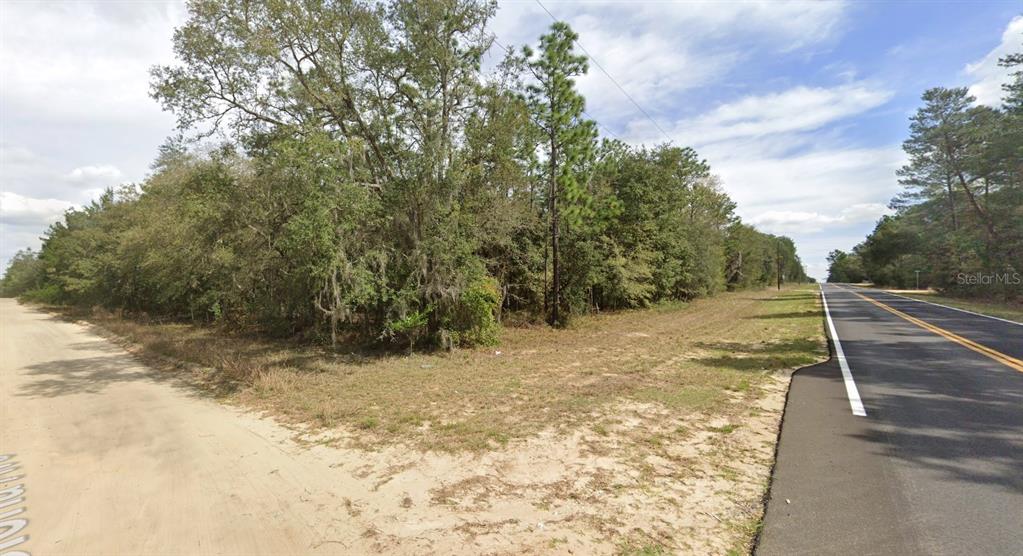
690	485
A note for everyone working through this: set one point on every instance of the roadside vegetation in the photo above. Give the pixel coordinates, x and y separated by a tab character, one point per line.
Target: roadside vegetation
347	173
639	431
958	224
703	356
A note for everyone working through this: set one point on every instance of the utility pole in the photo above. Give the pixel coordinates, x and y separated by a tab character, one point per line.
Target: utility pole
917	279
778	260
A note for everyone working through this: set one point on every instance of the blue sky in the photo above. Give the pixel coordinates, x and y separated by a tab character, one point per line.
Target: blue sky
800	107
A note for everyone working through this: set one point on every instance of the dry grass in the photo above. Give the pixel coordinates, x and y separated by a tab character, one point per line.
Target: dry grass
707	356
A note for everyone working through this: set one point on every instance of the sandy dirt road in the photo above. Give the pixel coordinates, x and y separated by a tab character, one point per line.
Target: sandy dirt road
117	460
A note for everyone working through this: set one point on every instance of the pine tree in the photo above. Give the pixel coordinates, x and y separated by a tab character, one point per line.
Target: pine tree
558	108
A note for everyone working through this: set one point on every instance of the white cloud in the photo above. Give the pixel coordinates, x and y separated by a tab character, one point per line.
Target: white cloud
779	153
784	221
84	62
988	75
790	221
783	158
824	199
657	50
18	210
76	112
799	109
90	174
861	212
27	173
31	175
784	24
652	68
843	183
22	221
34	193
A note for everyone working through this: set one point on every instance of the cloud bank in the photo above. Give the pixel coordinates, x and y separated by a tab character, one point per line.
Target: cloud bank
987	75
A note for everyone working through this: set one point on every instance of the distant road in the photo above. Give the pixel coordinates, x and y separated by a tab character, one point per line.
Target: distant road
935	466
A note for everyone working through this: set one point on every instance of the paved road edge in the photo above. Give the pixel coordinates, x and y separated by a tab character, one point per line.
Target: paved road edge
832	360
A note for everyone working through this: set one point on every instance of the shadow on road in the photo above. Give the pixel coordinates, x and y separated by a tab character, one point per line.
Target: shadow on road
99	363
959	414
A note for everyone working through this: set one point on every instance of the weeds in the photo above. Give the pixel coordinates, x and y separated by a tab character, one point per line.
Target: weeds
706	355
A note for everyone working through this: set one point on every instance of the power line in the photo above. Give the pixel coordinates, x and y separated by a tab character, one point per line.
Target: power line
602	126
613	80
595	120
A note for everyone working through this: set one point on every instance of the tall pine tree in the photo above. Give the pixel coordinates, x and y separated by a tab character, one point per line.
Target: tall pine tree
558	108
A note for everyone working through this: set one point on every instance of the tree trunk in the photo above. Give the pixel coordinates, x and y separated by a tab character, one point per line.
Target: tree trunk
546	259
555	262
988	225
953	160
951	203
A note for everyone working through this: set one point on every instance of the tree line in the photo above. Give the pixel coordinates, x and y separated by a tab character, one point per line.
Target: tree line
958	223
346	170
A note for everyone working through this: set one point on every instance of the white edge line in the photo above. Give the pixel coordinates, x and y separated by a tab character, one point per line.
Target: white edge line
953	308
850	385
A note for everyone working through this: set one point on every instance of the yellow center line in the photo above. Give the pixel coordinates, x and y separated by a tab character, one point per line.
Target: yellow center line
1002	358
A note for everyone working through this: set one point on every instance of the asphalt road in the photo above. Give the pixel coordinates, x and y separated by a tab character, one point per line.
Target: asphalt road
936	464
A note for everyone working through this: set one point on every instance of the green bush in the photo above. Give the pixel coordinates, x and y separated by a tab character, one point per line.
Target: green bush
50	294
474	318
411	328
